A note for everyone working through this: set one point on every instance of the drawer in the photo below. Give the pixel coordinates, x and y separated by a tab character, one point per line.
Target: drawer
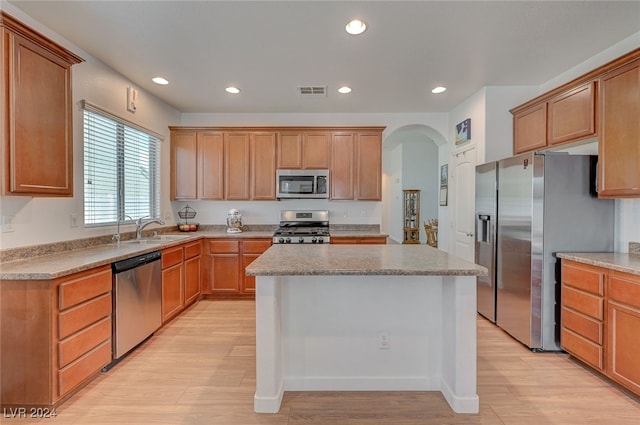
582	325
83	315
86	366
172	256
624	288
583	302
224	247
256	246
80	343
84	286
584	277
192	250
585	350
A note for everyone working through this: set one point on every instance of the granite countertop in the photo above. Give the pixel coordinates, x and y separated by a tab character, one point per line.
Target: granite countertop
398	260
627	263
36	265
73	261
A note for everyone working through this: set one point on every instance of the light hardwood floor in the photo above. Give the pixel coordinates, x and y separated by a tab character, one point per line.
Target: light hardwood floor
200	369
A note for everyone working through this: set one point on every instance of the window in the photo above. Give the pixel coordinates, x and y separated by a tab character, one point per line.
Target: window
121	169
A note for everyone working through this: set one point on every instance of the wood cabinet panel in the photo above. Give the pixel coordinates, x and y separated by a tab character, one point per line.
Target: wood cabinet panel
355	241
257	246
227	246
184	165
619	139
84	286
530	129
290	150
316	150
84	367
191	279
374	240
572	115
583	277
225	271
583	302
75	346
172	291
37	117
78	317
623	345
585	350
237	166
263	166
342	176
583	325
193	249
172	256
211	165
248	282
369	167
625	289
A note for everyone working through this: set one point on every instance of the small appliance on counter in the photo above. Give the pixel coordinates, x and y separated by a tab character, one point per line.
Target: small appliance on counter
186	214
303	227
234	221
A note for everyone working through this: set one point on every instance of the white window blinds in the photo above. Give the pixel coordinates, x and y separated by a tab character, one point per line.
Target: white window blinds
121	169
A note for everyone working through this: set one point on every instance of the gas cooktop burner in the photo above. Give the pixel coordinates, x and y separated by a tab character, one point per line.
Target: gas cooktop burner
303	227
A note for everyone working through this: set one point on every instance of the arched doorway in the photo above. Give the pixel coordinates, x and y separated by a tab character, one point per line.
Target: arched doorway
410	160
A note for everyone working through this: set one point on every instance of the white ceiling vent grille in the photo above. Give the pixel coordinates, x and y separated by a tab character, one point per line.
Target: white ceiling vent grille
313	91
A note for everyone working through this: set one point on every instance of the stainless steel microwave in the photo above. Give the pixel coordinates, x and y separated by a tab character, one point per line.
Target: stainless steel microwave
312	184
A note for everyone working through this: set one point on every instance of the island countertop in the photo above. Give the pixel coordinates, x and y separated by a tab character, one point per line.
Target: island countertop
327	260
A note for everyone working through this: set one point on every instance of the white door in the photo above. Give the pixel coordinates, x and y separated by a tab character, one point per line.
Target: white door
463	184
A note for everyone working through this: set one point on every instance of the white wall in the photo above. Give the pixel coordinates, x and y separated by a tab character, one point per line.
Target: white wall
44	220
392	172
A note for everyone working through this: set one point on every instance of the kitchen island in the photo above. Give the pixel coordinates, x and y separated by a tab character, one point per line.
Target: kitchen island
362	318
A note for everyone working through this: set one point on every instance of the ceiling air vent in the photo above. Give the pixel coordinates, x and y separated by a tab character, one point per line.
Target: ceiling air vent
315	91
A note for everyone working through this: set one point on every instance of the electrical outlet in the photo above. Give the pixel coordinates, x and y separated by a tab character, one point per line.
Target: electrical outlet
73	220
7	224
383	340
167	215
345	213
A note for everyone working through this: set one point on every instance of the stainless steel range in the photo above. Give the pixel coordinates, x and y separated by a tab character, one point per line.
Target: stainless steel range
297	226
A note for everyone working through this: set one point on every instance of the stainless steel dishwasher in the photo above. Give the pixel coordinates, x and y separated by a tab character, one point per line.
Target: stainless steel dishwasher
137	301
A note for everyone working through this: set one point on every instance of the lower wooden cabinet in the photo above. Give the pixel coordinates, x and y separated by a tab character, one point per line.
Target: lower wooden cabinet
600	323
228	258
180	278
355	241
55	335
623	328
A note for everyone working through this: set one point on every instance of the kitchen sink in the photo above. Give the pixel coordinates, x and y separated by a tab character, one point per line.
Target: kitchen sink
155	240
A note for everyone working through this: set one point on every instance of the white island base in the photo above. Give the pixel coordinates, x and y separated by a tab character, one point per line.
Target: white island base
328	333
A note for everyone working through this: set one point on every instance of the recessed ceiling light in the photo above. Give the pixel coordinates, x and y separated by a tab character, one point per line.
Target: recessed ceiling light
356	27
232	90
344	90
439	89
160	80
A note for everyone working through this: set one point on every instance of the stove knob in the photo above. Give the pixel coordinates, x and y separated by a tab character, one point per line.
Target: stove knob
320	240
300	239
281	240
288	240
314	239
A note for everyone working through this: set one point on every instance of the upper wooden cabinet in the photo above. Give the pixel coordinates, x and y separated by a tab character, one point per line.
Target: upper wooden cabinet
263	166
356	166
239	163
304	149
530	128
236	165
572	115
37	155
566	117
619	142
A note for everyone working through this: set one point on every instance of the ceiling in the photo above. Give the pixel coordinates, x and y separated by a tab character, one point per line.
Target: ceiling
270	48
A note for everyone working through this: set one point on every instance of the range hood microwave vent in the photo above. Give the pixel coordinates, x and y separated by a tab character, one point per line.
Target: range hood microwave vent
315	91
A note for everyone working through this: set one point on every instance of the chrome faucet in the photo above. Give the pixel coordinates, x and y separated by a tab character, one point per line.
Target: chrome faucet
140	225
116	237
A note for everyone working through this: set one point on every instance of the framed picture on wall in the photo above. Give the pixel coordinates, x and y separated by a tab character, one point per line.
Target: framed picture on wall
463	131
444	184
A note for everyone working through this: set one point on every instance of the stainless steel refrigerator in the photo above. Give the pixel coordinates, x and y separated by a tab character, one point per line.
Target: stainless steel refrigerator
545	203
